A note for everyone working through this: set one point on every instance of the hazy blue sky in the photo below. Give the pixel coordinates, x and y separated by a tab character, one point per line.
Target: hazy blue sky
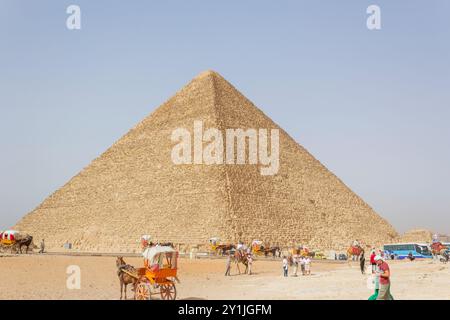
373	106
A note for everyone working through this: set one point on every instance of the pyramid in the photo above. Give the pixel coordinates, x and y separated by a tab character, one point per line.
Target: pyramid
134	188
417	235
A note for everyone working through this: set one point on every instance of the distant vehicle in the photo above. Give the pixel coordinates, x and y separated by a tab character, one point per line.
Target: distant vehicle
342	256
401	250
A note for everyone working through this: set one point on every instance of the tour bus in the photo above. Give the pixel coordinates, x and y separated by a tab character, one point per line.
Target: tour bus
402	250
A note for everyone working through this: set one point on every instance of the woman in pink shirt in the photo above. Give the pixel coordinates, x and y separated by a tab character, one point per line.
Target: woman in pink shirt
384	273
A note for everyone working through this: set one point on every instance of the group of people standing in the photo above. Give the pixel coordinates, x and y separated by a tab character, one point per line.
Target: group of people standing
304	262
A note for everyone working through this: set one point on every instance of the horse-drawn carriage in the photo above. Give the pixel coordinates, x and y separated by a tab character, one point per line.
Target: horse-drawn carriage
13	241
214	243
258	247
218	248
158	275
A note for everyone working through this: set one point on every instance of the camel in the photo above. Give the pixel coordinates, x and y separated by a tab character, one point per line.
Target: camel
127	275
354	252
239	257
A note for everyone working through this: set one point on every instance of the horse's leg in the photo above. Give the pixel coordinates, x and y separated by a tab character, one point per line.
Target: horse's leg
121	287
126	290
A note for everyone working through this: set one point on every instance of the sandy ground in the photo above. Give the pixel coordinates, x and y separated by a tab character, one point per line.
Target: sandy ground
44	277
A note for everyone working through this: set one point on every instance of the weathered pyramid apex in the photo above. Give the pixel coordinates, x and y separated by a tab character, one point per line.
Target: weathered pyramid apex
208	73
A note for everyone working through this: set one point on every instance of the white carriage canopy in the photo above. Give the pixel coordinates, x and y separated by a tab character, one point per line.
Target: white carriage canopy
214	240
163	256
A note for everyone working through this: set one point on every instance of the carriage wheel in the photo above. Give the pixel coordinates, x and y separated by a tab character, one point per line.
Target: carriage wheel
168	292
143	291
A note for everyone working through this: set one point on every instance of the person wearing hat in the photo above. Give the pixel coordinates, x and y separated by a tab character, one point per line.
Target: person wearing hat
384	273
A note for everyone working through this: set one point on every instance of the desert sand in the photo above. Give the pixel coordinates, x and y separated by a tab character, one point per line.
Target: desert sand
44	277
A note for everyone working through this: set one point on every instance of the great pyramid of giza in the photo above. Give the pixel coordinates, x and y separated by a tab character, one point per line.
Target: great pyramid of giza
134	188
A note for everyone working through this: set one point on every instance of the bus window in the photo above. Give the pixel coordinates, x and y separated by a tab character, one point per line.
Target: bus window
423	250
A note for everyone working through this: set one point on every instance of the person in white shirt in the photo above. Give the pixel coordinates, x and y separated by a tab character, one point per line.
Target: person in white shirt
249	263
308	266
302	264
285	266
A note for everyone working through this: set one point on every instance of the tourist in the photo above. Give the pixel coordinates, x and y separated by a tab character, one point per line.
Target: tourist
362	263
249	263
302	264
295	261
228	266
308	266
384	273
42	246
285	266
372	261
